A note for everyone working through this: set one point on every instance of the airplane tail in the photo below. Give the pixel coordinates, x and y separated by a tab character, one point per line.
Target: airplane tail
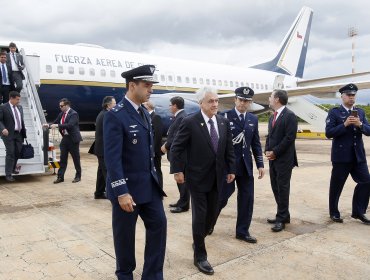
292	53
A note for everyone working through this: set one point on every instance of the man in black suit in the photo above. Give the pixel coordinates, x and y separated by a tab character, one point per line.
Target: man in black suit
282	156
6	79
13	132
98	148
205	138
15	62
177	109
157	126
67	123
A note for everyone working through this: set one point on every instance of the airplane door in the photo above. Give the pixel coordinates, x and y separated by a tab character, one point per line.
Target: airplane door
279	82
170	81
34	67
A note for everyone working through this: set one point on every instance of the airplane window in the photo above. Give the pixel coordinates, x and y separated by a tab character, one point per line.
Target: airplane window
236	84
213	82
241	84
208	82
81	71
170	78
219	83
226	84
163	78
60	69
48	69
71	70
201	81
103	73
92	72
252	85
261	86
231	83
194	80
266	87
247	84
187	79
178	79
112	73
155	76
257	86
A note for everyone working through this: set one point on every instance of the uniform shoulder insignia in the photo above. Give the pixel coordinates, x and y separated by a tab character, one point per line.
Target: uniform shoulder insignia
118	107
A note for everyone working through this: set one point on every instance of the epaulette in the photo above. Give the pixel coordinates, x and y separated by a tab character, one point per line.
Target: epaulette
118	107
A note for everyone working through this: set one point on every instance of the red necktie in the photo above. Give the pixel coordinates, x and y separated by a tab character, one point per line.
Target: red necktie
63	119
274	120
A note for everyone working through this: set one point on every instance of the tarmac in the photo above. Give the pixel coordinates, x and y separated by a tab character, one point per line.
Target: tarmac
61	232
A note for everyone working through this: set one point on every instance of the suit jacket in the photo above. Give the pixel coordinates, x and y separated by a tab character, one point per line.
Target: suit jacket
347	145
7	120
201	161
10	76
172	131
129	153
281	139
251	141
99	140
70	125
157	126
19	59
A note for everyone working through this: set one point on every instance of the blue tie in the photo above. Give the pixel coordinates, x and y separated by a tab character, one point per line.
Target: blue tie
242	118
5	80
214	136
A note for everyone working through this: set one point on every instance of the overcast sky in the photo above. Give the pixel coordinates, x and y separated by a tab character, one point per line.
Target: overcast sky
230	32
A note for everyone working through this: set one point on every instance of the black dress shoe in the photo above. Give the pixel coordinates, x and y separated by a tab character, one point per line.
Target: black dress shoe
58	180
75	180
278	227
273	221
9	178
204	267
246	238
336	219
100	196
362	218
172	205
15	172
178	210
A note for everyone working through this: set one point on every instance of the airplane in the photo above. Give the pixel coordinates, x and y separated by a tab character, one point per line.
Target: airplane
86	73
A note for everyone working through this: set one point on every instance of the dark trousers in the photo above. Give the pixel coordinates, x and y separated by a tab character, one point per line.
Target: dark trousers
245	200
68	146
124	224
158	167
280	184
101	177
18	80
204	213
13	147
4	93
339	175
184	199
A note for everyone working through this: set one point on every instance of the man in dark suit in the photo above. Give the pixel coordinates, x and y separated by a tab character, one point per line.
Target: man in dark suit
177	109
6	79
244	129
157	126
346	124
206	140
98	148
15	62
13	132
132	182
67	123
282	156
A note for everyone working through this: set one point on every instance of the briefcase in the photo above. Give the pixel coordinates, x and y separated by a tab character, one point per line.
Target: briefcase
27	151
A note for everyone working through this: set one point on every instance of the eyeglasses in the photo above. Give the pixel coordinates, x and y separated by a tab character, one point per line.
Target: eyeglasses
61	106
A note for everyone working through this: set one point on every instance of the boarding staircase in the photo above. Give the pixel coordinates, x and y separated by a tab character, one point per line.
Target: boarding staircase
309	111
36	135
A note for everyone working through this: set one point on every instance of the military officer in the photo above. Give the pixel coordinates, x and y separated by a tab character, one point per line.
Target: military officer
346	124
246	140
132	182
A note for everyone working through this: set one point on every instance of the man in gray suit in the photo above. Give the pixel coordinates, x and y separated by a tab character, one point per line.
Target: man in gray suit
13	132
15	62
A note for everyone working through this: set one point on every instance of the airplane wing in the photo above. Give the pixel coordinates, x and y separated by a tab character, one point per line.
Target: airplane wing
312	82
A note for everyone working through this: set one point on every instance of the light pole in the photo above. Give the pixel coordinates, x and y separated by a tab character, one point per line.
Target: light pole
352	32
